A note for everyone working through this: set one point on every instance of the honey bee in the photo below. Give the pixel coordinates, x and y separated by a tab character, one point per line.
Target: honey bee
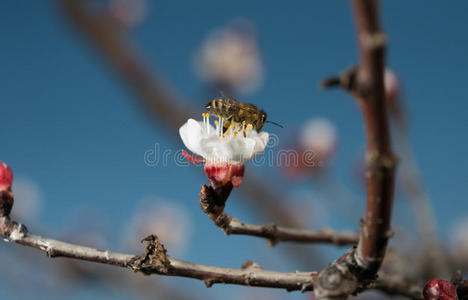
232	110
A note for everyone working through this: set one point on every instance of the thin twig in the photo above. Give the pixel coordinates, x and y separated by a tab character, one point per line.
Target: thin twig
168	266
213	206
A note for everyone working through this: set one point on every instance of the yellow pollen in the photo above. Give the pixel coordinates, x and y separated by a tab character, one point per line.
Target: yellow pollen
219	116
249	127
203	114
207	115
235	133
243	122
216	122
222	119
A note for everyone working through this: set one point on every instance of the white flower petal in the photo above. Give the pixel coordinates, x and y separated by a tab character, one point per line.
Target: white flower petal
226	149
261	141
237	149
192	133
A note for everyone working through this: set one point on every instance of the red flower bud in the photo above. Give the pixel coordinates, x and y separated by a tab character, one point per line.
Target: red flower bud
6	176
438	289
222	173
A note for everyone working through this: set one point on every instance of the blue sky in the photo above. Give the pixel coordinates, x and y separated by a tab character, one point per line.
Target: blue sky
72	127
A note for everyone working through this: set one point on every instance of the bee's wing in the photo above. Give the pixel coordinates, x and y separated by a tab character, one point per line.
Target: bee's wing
226	95
250	109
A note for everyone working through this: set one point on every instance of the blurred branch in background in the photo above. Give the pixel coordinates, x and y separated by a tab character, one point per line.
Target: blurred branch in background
433	259
101	31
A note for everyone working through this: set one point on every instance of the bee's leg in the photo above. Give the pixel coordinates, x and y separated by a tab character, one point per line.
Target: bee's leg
256	124
226	125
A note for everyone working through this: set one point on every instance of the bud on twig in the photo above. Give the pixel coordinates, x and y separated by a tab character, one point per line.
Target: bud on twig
6	196
6	176
438	289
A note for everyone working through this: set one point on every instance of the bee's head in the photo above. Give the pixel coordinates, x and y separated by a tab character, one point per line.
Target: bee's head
208	106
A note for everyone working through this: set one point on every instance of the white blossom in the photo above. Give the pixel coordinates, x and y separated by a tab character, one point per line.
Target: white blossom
238	144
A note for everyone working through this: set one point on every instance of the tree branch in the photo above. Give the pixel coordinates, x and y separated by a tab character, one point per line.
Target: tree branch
155	261
379	157
212	202
357	269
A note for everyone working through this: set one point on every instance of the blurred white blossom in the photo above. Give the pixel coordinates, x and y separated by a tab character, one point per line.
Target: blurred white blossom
320	136
391	84
315	145
230	57
168	220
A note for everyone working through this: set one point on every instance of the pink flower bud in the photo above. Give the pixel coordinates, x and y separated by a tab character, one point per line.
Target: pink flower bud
438	289
222	173
6	176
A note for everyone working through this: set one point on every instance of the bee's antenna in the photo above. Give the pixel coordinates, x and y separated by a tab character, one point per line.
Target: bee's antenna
274	123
